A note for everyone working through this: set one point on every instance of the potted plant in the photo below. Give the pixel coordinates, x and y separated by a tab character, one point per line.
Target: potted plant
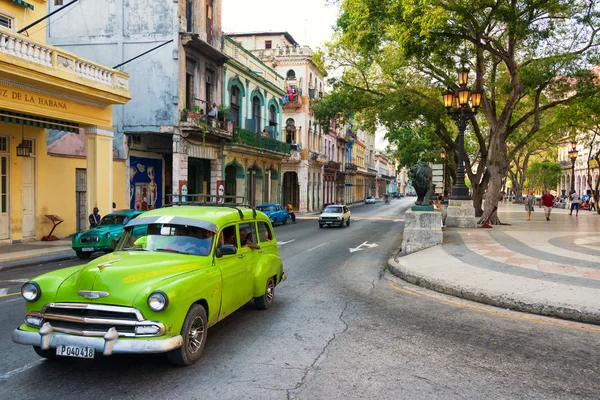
194	113
225	116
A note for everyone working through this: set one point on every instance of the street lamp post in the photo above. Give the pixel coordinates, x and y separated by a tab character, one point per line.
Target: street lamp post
573	156
461	114
443	157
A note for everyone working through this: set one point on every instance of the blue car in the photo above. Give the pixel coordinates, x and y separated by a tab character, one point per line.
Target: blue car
275	212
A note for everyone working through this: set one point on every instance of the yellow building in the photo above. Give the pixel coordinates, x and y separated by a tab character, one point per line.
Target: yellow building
45	88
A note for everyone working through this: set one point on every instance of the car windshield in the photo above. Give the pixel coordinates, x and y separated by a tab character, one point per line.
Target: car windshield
115	220
183	239
266	208
333	209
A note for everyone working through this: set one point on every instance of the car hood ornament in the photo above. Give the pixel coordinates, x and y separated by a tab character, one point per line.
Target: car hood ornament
90	294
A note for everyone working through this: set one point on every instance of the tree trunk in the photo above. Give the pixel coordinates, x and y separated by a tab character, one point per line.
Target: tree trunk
478	192
518	191
497	167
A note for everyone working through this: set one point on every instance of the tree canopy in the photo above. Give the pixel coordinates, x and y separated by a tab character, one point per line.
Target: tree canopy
533	59
544	175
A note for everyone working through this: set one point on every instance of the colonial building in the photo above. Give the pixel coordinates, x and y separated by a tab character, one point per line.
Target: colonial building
581	168
56	130
252	159
172	49
386	177
303	171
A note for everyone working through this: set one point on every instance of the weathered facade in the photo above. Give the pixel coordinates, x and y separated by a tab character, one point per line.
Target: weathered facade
56	131
252	159
302	172
172	148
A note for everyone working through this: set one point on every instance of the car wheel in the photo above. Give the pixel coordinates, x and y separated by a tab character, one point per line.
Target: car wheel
49	354
348	222
194	333
263	302
84	255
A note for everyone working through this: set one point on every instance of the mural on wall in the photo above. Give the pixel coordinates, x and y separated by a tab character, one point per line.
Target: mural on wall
221	191
145	183
73	144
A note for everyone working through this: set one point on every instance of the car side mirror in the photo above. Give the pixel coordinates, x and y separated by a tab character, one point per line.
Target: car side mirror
225	250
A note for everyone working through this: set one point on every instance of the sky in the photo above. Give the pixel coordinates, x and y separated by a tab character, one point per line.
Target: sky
310	22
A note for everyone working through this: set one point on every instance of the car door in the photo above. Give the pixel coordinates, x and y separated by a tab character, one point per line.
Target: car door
346	213
233	273
249	258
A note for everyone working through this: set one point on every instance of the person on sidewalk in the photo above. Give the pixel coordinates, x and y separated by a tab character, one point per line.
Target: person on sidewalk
548	202
530	204
94	218
291	211
574	197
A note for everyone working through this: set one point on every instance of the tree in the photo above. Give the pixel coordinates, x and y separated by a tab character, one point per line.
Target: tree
529	57
544	175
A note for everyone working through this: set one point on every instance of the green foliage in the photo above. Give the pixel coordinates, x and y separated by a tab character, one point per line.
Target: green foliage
544	175
318	58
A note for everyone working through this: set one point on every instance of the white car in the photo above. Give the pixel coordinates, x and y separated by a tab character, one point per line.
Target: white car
370	200
335	215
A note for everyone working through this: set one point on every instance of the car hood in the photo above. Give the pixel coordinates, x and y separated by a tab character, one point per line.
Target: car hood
269	212
124	274
331	215
102	230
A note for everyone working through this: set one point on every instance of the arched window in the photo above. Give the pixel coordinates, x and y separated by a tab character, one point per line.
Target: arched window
235	105
256	112
290	131
272	120
291	74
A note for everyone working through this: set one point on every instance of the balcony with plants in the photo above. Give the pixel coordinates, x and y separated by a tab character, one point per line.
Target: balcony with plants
265	140
197	119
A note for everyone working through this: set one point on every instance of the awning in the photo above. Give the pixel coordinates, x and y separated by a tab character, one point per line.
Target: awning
40	122
23	3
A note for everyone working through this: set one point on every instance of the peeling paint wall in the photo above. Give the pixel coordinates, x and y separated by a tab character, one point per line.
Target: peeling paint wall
113	31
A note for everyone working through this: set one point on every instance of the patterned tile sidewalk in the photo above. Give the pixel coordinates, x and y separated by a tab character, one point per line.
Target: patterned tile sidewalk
544	267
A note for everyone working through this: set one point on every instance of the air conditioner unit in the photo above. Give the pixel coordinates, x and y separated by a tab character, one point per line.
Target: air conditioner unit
209	79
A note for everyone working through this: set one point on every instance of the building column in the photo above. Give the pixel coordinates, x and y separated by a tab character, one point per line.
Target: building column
180	165
216	174
99	155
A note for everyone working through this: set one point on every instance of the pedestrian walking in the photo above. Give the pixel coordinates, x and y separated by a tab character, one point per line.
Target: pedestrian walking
291	211
548	202
530	204
574	197
592	204
94	218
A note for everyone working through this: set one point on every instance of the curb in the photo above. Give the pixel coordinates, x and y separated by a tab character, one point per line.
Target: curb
22	262
497	300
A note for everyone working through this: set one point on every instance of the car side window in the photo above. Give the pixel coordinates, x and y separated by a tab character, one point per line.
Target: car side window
346	209
228	235
264	232
247	233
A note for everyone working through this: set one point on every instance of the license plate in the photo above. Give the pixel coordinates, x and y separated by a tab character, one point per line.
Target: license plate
87	249
329	222
75	351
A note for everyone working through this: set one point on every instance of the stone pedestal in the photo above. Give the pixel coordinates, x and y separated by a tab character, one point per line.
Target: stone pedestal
422	229
461	214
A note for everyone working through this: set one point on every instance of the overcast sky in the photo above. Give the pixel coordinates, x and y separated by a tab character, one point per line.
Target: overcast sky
310	22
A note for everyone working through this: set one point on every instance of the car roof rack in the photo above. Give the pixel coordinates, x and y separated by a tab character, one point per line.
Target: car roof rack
206	200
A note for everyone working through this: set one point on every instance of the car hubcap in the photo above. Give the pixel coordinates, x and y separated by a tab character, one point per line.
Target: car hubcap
270	290
196	335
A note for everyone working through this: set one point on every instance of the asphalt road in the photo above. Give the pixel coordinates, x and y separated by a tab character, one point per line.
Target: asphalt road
340	328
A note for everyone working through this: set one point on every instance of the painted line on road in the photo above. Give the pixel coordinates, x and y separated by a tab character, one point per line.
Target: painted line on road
11	300
3	292
15	280
8	294
536	319
25	367
316	247
282	243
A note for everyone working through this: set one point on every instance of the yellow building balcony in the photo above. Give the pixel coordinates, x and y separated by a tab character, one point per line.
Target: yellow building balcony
26	61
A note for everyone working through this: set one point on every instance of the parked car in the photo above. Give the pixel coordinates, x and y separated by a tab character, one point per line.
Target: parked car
175	272
275	212
103	237
370	200
336	214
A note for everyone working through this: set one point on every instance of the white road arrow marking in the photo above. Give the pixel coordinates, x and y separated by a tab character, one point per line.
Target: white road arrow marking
3	291
316	247
282	243
359	248
398	220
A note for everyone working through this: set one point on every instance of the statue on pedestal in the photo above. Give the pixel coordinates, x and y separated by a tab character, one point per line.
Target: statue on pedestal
421	177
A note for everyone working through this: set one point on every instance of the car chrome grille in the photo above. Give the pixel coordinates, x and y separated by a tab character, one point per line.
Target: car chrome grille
92	319
88	239
329	218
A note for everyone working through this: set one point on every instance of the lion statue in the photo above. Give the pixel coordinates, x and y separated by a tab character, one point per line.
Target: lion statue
421	177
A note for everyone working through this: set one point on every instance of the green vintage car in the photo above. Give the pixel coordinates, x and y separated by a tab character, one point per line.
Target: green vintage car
105	236
175	272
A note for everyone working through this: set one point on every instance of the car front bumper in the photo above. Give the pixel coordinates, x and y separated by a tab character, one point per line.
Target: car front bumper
109	344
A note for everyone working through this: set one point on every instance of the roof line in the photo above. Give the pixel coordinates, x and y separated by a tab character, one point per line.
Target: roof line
259	33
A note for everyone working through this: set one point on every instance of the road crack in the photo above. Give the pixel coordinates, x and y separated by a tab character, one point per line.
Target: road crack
318	358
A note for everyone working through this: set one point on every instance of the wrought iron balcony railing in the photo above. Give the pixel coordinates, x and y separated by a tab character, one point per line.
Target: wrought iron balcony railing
248	138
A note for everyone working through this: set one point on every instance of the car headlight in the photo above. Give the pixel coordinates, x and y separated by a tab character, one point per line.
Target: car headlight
158	301
31	291
339	217
107	234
